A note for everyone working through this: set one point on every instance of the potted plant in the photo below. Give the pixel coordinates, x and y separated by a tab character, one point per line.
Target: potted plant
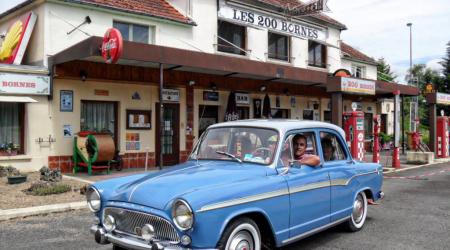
14	176
8	149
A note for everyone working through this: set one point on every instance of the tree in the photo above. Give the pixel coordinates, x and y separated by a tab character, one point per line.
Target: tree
384	72
444	85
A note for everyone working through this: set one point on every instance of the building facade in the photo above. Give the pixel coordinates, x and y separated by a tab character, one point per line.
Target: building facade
205	49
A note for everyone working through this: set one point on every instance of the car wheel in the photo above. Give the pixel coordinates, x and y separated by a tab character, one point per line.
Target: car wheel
242	234
359	213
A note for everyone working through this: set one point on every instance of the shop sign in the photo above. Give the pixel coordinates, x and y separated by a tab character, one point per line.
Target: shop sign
353	85
112	45
101	92
17	33
210	96
442	98
262	20
307	9
429	89
171	95
24	84
242	98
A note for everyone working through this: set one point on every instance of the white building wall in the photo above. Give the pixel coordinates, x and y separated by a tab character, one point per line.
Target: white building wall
371	70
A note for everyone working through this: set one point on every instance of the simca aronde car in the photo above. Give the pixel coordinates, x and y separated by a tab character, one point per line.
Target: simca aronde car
253	184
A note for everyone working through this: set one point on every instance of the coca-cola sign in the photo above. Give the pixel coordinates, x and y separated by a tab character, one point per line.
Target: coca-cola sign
112	45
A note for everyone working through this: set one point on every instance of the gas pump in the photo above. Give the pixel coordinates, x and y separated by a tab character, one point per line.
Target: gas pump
354	133
376	140
442	137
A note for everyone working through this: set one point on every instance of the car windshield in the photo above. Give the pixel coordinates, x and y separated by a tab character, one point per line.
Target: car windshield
242	144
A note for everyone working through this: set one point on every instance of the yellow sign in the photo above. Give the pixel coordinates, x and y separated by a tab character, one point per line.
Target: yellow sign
11	40
428	88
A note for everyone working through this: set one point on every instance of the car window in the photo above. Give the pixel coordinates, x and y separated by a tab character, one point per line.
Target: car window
288	152
332	148
248	144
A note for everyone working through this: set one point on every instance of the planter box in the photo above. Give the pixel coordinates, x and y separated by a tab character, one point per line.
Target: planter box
17	179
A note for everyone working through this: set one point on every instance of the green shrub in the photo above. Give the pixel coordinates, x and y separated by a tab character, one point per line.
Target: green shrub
52	189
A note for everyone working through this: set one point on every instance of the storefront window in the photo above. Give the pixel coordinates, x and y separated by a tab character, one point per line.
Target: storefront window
11	128
99	117
278	47
317	54
231	33
280	113
133	32
243	112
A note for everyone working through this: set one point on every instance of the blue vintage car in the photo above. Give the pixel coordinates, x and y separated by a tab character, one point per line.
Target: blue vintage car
254	184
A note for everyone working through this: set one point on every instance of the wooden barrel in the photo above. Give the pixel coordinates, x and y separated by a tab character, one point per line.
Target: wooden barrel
103	148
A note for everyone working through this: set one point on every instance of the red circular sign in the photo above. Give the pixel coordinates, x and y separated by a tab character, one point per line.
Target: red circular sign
112	45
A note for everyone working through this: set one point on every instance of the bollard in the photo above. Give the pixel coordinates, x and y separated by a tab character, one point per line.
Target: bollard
396	158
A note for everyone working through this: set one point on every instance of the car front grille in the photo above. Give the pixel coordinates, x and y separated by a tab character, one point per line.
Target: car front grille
130	222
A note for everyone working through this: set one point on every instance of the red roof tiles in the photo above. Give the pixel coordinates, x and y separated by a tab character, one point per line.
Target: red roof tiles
351	52
156	8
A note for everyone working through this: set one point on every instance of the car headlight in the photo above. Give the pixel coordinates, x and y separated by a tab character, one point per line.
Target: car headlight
182	215
93	199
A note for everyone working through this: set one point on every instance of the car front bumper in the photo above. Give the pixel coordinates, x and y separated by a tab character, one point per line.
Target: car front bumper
103	237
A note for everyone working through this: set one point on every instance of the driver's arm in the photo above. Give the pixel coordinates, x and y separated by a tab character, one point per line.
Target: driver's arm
310	160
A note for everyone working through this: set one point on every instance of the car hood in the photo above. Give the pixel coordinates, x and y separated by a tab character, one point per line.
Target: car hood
156	190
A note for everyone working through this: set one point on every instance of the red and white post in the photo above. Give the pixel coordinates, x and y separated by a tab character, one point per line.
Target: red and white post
396	152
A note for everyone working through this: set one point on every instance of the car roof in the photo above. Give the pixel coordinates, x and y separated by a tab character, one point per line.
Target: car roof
283	125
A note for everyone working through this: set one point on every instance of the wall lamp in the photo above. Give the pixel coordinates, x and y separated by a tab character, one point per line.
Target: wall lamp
262	88
191	83
286	92
83	75
213	86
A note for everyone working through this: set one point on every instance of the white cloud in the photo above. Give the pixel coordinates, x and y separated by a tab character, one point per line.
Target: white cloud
378	28
6	5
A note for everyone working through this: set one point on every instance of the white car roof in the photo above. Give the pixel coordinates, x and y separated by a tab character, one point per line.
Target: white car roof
282	125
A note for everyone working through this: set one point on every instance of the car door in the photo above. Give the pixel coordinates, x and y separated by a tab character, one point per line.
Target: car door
309	191
341	170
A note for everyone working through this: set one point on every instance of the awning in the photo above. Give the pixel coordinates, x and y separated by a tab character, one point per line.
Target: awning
16	99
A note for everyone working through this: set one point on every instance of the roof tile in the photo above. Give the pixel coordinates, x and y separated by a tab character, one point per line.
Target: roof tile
355	54
156	8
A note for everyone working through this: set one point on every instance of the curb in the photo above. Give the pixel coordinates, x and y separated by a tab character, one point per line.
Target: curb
29	211
390	170
76	179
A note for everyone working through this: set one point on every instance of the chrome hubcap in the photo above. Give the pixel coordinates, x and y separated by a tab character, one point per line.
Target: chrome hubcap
358	209
242	241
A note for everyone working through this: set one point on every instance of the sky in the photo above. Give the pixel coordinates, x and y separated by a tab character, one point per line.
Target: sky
378	29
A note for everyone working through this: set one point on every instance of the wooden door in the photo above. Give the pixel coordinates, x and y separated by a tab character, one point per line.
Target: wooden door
171	136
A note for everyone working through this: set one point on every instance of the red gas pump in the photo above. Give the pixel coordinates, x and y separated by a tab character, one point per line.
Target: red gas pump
442	137
354	133
376	139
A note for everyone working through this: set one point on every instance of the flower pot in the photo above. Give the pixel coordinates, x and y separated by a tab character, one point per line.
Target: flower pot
17	179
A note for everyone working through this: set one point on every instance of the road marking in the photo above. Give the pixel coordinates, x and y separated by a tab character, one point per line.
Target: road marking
418	177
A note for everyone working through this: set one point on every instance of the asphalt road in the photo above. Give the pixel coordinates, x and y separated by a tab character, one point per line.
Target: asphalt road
415	214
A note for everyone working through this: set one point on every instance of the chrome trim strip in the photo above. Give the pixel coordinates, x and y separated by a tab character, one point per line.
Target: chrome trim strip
306	234
244	200
345	182
310	186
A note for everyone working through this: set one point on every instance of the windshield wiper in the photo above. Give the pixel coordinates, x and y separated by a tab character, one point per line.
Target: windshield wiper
229	155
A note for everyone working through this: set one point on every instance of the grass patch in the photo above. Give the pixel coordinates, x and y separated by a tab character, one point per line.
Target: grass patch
52	189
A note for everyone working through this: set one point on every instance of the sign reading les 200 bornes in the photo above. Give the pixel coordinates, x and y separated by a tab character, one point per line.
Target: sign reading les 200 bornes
24	84
442	98
359	86
261	20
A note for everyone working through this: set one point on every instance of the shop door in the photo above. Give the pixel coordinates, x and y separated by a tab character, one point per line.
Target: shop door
99	116
171	136
383	123
243	112
207	115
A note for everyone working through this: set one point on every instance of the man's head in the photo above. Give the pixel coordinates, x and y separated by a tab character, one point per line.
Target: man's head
328	149
299	143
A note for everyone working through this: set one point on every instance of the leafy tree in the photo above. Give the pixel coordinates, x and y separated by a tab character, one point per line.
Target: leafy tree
445	85
384	72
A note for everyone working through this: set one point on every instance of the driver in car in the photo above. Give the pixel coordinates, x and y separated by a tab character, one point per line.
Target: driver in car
300	155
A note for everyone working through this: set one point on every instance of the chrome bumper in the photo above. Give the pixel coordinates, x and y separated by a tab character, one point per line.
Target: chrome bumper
103	237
